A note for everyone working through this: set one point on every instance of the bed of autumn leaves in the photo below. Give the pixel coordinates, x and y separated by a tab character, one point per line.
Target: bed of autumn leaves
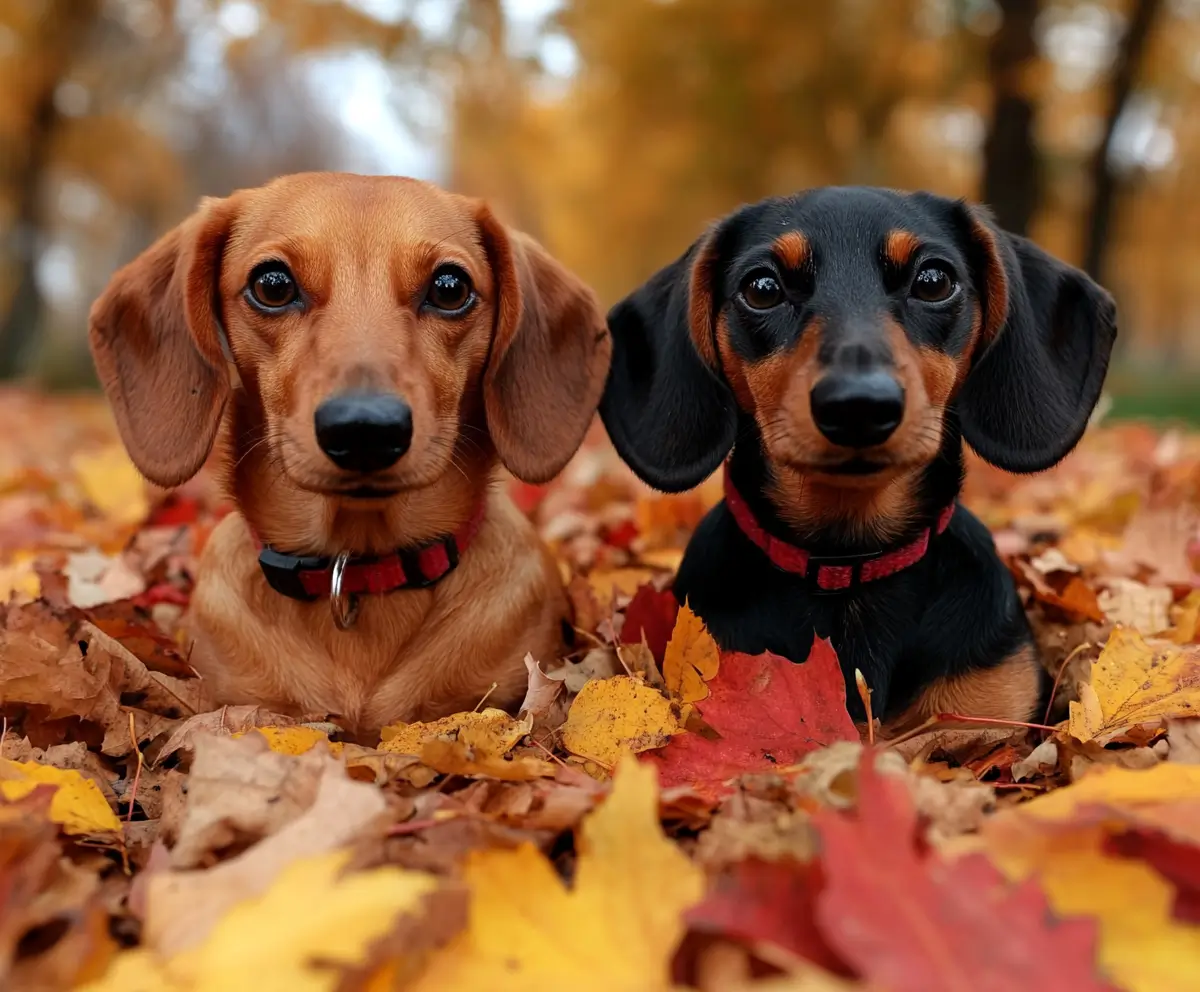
657	816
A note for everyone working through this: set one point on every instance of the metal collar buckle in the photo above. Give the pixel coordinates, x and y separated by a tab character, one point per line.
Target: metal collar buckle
343	605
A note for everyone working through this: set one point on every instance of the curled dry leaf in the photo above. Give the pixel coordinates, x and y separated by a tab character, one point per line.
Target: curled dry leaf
228	721
240	791
182	907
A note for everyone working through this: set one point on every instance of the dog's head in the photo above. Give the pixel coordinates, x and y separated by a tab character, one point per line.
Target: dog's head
849	323
369	318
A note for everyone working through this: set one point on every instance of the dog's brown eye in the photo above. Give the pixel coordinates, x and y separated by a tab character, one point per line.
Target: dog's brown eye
933	285
450	289
762	291
273	287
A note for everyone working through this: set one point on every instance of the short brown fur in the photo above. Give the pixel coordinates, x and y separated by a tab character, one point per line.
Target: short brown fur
515	379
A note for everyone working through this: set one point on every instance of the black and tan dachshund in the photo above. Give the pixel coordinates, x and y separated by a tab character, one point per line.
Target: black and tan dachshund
843	343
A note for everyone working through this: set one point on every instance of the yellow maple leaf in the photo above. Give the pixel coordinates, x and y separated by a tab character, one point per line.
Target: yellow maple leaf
78	804
490	732
691	660
619	714
1133	683
614	930
289	940
112	484
293	740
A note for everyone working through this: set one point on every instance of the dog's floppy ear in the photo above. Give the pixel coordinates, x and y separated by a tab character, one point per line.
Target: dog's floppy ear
549	357
1046	336
667	408
155	341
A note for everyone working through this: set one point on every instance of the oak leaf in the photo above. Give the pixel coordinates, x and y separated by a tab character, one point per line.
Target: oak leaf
1134	682
614	930
312	921
766	713
460	758
614	715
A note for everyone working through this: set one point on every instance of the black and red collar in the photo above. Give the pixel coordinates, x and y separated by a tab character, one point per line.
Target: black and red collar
831	573
310	577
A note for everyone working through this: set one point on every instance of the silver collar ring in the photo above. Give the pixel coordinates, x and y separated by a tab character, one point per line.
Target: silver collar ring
343	605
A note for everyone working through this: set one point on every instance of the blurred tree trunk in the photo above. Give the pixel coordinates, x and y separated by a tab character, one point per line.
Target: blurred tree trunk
1104	182
70	25
20	323
1011	173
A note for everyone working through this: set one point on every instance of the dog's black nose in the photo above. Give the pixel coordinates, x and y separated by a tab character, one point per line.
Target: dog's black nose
856	409
364	432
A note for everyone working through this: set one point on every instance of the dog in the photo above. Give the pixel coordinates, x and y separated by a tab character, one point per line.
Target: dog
359	353
843	343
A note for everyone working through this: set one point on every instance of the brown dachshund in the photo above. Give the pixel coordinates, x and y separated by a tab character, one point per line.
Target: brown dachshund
392	343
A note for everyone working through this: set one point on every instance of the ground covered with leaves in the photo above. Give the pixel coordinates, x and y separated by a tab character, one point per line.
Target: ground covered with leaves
657	816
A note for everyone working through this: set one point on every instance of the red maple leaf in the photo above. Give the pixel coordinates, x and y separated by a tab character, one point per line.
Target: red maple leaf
652	613
767	713
910	923
770	902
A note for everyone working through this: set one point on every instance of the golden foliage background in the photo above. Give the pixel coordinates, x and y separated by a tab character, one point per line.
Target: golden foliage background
613	130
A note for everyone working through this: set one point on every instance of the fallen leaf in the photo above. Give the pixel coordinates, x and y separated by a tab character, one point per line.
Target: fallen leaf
768	901
294	740
240	791
619	714
491	731
528	932
541	694
182	907
692	659
1140	947
650	615
460	758
767	712
1135	604
228	721
94	578
313	919
921	925
112	484
78	805
1133	683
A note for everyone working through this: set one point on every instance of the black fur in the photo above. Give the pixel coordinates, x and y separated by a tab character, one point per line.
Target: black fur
1023	406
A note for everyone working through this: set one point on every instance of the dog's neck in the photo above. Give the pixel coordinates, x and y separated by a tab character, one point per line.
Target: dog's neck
846	520
300	522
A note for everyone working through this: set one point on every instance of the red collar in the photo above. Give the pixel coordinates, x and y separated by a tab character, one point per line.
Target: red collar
310	577
841	572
